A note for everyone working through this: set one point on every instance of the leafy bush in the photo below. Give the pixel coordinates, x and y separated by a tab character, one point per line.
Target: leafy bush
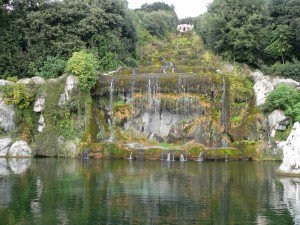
18	94
294	112
283	97
52	68
83	65
289	70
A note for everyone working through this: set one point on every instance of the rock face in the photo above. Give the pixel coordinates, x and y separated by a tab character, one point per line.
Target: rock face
20	149
42	124
71	84
291	152
265	84
7	114
16	149
276	119
39	104
5	143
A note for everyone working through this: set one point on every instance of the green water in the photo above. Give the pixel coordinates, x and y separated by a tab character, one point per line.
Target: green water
65	191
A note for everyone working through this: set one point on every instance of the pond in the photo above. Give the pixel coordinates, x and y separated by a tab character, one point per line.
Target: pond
74	191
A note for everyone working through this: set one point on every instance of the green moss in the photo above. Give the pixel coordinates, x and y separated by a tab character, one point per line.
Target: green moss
152	153
283	135
113	150
222	153
248	148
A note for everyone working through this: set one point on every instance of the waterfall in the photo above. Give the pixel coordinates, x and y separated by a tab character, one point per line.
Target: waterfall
200	158
169	157
150	93
179	84
182	158
111	96
130	157
225	114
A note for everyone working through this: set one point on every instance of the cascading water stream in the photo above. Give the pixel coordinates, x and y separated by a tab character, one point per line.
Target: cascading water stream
130	157
169	157
224	116
111	96
182	158
200	158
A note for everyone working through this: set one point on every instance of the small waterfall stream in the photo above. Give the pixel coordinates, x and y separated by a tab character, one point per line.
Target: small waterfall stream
200	158
225	113
111	98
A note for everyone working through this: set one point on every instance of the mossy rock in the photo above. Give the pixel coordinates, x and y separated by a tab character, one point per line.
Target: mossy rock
113	150
248	148
222	154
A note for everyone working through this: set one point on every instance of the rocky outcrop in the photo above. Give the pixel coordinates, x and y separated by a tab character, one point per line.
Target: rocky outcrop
39	104
7	114
41	124
5	143
34	80
291	152
276	121
265	84
71	84
20	149
16	149
5	82
38	80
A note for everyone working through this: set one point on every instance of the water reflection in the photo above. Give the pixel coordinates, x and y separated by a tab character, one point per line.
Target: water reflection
291	196
59	191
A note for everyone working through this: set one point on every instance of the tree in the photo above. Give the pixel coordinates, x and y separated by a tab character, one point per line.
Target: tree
236	29
287	12
34	30
280	42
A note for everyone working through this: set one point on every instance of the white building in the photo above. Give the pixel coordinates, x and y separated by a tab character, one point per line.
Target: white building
185	27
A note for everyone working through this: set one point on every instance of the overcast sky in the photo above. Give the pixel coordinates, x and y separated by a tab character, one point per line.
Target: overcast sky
184	8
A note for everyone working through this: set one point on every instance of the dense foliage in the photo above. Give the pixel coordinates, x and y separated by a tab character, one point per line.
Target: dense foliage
33	33
256	32
286	98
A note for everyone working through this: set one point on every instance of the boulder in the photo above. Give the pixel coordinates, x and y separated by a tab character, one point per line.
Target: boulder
20	149
71	84
5	143
265	84
7	114
291	152
42	124
38	80
5	82
276	81
262	87
24	81
275	121
39	104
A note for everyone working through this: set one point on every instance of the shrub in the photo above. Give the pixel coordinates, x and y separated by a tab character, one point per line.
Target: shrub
83	65
52	68
289	70
294	112
18	94
283	97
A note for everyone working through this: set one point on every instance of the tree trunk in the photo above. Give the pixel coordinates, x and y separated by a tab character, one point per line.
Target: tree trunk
282	58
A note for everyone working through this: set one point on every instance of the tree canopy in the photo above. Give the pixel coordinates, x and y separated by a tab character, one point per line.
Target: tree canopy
34	30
